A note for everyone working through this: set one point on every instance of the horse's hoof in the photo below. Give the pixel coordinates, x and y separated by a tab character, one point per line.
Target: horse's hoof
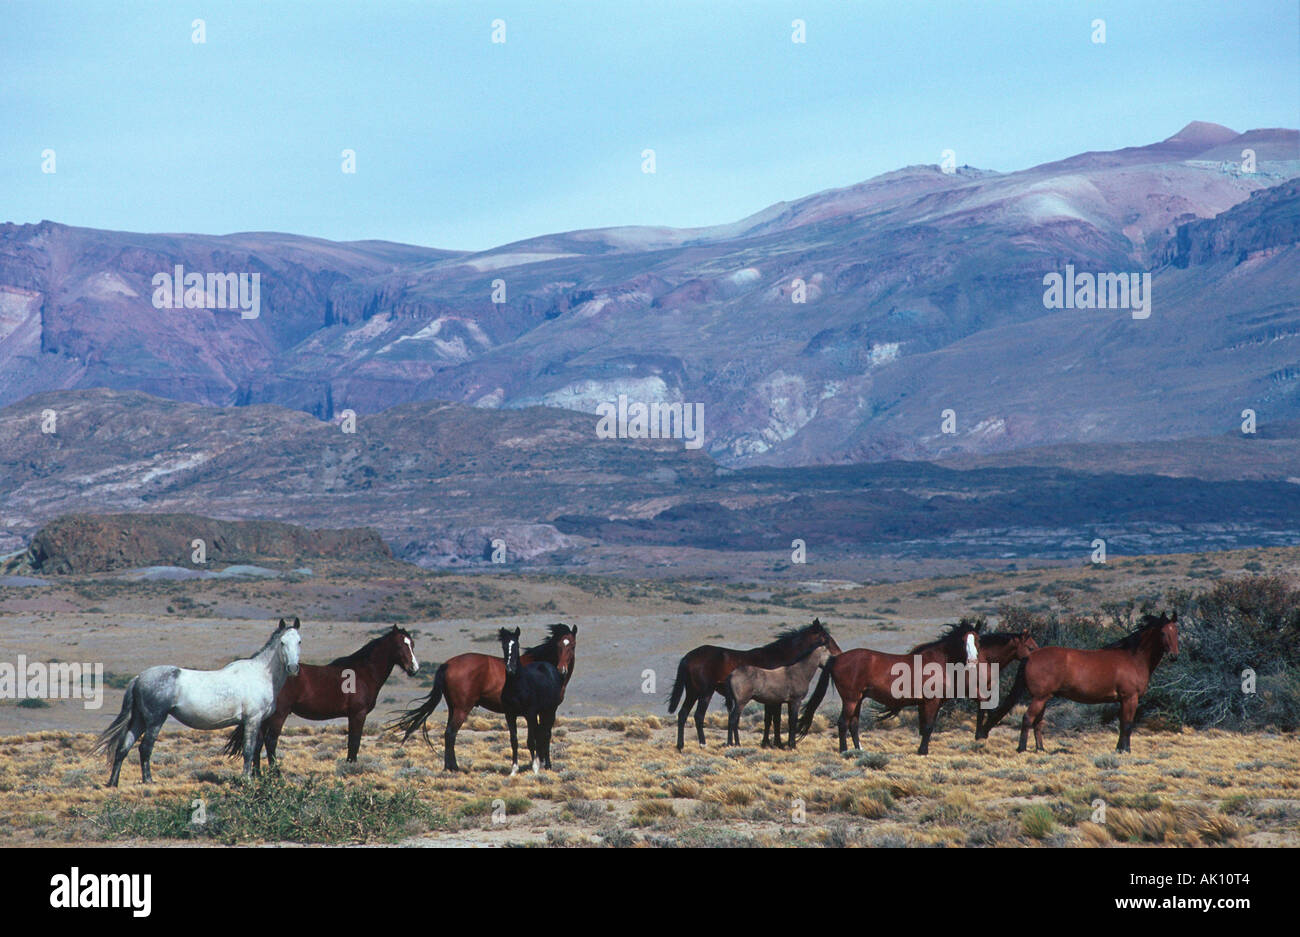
537	766
514	769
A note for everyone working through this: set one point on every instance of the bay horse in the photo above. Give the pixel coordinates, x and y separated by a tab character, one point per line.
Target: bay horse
535	692
1002	648
469	680
346	686
1118	672
242	693
890	680
772	686
704	670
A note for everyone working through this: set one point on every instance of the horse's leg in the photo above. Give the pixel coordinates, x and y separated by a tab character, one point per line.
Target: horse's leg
455	719
682	715
548	723
1033	717
1007	704
356	724
252	747
1025	722
534	742
700	710
979	715
926	714
133	732
1127	713
733	722
514	743
146	750
793	706
854	722
767	726
271	735
775	711
1038	728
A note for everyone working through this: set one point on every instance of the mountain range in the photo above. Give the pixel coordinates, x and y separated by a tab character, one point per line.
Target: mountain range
923	293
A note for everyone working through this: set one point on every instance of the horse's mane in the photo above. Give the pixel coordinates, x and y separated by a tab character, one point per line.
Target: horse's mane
790	635
363	651
549	650
999	637
1133	640
808	653
267	644
949	633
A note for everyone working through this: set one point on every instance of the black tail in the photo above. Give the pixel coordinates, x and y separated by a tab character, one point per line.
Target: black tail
1017	692
810	707
418	718
679	686
110	738
235	744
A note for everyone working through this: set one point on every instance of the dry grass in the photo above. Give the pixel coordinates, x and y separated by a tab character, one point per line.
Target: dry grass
620	781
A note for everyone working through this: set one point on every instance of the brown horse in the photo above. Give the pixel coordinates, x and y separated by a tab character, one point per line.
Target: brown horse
894	681
1002	648
347	686
704	671
469	680
1119	672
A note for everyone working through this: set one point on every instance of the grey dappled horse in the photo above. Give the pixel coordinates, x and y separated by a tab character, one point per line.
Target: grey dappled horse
242	693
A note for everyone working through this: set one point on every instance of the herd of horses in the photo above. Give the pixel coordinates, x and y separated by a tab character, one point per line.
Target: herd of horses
255	695
779	673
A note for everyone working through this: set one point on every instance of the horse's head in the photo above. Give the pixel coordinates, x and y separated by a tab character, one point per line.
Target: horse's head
510	649
290	645
1169	633
822	637
405	650
1024	644
966	634
565	638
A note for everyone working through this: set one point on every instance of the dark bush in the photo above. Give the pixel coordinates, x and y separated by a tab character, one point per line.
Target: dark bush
1249	622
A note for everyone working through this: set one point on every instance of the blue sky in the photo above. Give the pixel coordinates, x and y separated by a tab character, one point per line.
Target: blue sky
462	143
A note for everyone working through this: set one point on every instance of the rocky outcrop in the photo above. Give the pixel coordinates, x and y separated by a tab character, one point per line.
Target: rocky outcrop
95	543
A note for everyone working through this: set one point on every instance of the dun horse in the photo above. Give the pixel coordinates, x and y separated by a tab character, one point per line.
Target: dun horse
1119	672
1002	648
242	693
469	680
533	691
772	686
347	686
704	671
862	673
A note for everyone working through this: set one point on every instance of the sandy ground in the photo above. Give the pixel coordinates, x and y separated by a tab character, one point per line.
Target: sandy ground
615	743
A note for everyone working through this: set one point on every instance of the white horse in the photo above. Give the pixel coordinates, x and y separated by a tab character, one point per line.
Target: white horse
241	693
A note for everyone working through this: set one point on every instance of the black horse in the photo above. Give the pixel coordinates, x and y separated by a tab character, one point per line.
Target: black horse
535	692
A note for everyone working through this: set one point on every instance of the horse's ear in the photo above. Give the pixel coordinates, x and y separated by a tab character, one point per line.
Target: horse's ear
1173	616
297	623
573	630
283	623
516	634
817	622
